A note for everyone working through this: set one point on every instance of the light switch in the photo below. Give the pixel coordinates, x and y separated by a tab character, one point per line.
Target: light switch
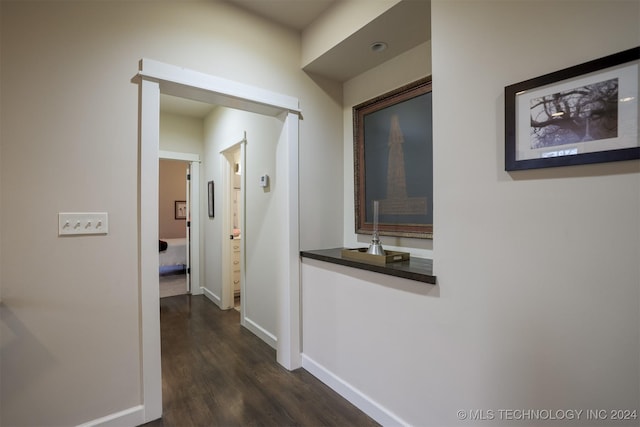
79	223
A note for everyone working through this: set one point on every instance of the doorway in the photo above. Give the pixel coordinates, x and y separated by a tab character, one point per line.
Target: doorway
233	223
174	216
153	78
187	224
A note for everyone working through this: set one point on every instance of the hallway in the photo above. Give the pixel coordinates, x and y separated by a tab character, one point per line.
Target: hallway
216	373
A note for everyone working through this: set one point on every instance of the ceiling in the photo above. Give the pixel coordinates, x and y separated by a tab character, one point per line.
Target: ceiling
293	14
404	26
348	58
184	107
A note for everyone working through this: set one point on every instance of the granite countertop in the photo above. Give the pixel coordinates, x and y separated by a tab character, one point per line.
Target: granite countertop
419	269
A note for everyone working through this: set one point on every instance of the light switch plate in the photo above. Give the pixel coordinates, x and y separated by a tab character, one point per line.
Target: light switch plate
81	223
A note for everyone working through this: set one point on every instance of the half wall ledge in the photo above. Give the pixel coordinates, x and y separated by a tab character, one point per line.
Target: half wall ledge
418	269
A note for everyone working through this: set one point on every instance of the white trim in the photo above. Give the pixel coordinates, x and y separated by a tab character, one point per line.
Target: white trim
226	295
363	402
194	238
289	352
213	297
129	417
148	246
226	161
216	90
174	155
155	77
243	227
262	333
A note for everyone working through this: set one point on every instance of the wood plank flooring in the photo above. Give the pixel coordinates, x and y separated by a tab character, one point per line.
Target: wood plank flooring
216	373
172	284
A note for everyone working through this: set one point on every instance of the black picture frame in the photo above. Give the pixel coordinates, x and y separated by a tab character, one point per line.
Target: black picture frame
583	114
180	209
210	189
393	161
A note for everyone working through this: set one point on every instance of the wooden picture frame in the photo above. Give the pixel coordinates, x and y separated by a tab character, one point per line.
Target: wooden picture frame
393	162
579	115
210	189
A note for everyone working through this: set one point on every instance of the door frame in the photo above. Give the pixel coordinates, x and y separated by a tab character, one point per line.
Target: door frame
227	291
193	239
155	77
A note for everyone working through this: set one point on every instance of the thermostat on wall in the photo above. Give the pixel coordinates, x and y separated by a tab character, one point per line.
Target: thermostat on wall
264	181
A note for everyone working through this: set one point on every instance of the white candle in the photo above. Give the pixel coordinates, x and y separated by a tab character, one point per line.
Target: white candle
375	216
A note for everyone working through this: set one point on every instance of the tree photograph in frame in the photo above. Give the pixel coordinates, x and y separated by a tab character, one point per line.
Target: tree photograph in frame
583	114
393	162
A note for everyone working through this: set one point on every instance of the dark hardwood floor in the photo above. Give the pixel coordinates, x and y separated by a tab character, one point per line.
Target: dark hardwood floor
216	373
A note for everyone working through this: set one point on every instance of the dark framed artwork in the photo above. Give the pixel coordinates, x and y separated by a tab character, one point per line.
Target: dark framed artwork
393	162
180	208
583	114
211	198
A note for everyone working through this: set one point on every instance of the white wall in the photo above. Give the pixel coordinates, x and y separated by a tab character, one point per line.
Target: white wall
69	116
262	236
219	135
320	168
546	269
537	302
181	134
173	187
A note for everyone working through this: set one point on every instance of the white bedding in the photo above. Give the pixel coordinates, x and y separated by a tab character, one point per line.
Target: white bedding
176	253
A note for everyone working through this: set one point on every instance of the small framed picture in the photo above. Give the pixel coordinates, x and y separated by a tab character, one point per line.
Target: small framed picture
583	114
211	199
180	209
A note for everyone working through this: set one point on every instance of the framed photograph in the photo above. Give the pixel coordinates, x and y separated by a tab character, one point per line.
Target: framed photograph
180	209
579	115
393	162
210	188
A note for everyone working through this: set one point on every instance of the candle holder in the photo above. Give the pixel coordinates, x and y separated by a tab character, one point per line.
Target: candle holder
375	248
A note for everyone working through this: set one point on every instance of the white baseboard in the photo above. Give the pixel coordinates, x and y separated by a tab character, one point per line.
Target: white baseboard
129	417
353	395
252	326
260	332
213	297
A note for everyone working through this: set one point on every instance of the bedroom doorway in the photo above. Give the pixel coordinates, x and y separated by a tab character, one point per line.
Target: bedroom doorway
173	220
179	223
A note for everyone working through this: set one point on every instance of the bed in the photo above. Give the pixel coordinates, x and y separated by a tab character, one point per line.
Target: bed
173	259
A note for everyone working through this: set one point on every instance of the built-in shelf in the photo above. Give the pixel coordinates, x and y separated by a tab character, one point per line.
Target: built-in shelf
419	269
